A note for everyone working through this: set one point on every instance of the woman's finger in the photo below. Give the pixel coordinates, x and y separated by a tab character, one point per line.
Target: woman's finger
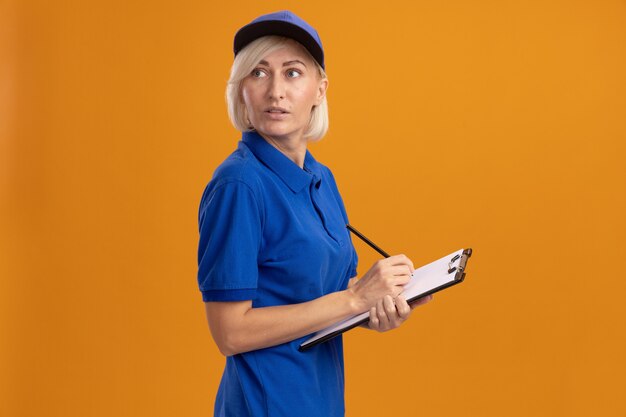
392	312
400	270
404	310
374	322
401	260
382	315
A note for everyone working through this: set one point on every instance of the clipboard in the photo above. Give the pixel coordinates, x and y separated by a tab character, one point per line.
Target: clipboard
429	279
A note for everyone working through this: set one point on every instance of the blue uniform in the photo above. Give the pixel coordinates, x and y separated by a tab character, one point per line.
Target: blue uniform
275	234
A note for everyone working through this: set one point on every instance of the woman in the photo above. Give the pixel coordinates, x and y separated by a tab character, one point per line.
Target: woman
276	262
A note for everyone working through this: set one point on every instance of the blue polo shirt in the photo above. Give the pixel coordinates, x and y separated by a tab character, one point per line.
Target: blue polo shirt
275	233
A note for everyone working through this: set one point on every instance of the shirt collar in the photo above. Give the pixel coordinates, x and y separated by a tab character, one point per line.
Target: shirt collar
295	177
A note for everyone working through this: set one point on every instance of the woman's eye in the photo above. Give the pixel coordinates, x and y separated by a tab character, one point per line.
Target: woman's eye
258	73
293	73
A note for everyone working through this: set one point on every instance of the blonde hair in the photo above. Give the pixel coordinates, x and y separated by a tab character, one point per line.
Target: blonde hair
245	61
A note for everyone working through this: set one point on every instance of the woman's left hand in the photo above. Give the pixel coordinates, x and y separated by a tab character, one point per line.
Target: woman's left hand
389	313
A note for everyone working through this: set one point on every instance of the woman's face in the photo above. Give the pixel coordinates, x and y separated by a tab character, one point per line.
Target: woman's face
281	90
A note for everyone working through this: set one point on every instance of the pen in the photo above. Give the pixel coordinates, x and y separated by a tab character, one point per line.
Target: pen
366	240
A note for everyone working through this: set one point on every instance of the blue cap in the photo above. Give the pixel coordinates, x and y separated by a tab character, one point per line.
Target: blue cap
283	23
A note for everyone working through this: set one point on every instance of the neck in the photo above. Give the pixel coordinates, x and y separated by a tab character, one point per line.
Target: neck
293	148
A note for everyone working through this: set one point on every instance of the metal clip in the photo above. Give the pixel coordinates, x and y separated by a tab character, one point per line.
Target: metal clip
451	268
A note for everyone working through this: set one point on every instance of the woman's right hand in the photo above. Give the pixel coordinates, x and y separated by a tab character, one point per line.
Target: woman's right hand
386	277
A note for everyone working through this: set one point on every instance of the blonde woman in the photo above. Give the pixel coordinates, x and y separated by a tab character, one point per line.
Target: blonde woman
276	262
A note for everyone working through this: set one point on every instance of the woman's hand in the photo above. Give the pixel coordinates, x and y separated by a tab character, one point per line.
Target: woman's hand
386	277
390	313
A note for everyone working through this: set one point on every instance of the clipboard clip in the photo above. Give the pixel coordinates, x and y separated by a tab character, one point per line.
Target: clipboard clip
451	268
466	254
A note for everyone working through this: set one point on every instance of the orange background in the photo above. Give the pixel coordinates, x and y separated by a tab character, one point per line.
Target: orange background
487	124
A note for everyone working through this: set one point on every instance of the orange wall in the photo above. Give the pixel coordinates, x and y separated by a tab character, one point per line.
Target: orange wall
490	124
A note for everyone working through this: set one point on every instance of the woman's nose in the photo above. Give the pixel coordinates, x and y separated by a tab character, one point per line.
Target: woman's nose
277	88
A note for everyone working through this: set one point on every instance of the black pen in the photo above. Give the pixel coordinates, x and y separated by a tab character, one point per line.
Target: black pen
366	240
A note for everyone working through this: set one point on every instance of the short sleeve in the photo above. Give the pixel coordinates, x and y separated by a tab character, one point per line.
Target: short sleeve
230	238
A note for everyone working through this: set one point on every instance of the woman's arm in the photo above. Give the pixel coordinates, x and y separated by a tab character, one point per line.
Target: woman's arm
237	327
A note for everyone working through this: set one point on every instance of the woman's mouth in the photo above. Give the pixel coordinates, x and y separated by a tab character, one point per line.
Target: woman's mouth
276	113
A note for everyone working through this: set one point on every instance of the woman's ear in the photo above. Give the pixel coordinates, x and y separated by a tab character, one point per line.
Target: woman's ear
321	91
